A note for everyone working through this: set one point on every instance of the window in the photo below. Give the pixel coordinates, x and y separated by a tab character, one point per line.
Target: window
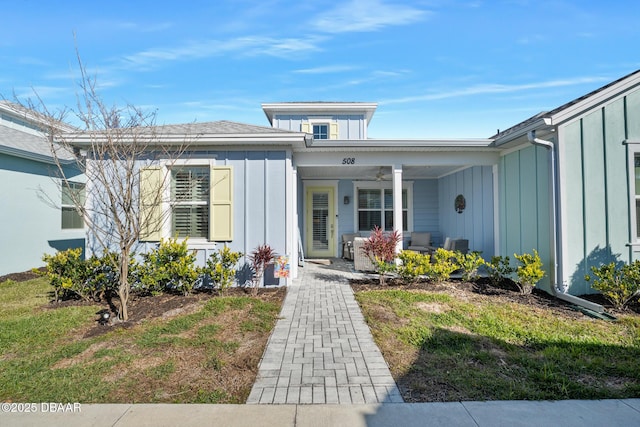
72	195
636	195
190	202
374	205
321	131
197	202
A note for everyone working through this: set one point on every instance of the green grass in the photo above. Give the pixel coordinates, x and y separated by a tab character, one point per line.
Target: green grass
438	345
45	357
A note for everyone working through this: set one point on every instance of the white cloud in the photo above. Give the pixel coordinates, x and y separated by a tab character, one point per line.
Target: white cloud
367	15
243	46
326	70
494	88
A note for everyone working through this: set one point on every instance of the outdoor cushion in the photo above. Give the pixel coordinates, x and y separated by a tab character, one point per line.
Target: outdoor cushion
420	241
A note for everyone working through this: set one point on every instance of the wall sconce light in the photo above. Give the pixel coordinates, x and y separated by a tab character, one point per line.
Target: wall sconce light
346	200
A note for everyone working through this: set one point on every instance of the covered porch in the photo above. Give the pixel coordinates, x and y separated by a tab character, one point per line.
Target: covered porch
445	188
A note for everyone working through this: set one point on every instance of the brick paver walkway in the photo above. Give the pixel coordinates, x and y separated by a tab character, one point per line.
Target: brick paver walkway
321	350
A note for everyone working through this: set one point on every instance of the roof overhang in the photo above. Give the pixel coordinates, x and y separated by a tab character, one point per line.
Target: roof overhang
29	155
318	108
401	144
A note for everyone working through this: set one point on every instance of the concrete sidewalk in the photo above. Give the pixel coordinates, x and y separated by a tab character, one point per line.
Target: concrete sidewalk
569	413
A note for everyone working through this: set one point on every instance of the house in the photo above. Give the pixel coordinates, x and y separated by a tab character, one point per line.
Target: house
36	216
562	182
568	184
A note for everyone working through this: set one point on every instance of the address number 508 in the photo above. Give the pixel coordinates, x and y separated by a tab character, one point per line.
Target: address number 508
349	161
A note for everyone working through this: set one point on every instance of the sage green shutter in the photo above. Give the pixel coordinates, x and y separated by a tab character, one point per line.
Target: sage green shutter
305	127
333	131
150	209
221	204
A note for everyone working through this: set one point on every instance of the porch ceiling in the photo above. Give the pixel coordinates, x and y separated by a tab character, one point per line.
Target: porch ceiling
370	173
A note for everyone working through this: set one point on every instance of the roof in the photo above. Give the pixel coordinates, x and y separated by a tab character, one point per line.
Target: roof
319	107
17	139
218	127
222	132
572	108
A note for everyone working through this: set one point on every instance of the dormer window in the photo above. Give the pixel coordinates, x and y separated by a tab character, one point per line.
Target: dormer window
321	131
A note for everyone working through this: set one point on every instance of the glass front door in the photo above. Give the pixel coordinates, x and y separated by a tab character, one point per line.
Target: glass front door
320	228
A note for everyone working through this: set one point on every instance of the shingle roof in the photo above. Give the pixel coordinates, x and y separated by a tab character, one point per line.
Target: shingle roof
27	144
220	127
548	114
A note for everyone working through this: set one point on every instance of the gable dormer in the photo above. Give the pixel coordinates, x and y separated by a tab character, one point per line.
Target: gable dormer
323	120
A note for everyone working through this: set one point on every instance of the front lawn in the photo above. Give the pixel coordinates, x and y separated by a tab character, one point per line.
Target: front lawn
452	342
201	348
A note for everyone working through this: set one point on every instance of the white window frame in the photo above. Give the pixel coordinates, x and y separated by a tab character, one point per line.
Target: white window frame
64	206
320	122
382	185
167	202
633	150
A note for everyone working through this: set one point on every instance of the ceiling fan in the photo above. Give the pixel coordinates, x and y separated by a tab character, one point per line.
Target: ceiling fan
381	176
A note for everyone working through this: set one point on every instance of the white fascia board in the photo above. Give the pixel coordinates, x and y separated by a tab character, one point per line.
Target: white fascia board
273	139
373	158
391	144
604	96
366	108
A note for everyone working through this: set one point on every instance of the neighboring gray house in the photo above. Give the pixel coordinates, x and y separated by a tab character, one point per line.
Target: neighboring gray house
33	218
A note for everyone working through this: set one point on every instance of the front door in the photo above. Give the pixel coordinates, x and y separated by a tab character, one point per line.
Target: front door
320	222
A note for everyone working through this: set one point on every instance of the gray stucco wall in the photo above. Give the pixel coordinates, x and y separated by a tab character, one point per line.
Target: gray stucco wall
30	218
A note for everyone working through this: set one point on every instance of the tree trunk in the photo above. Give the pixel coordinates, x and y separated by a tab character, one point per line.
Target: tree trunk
123	288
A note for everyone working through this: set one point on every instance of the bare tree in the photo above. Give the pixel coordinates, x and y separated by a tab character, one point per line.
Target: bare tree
115	147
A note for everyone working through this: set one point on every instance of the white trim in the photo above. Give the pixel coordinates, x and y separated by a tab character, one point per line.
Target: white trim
496	209
290	248
633	149
396	171
383	185
310	183
167	165
319	122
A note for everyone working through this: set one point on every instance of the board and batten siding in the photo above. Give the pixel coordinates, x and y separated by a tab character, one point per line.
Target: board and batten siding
476	222
525	207
594	189
350	126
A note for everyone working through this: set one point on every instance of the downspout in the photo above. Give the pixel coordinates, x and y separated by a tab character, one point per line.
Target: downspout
555	290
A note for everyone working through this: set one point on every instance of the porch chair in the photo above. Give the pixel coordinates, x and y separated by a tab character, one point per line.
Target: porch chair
461	245
420	242
347	245
361	262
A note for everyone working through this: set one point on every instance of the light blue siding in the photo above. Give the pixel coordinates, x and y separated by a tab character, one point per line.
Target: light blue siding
30	217
475	223
595	201
525	215
349	126
425	208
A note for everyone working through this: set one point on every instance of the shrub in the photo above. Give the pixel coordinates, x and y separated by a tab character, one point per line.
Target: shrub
619	284
170	267
260	258
500	269
413	265
443	265
102	275
66	271
529	272
380	247
469	264
220	267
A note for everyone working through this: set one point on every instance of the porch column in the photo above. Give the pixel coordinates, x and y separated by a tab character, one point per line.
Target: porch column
397	203
292	224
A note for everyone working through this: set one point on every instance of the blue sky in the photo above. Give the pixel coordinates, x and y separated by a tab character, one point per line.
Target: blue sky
437	69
